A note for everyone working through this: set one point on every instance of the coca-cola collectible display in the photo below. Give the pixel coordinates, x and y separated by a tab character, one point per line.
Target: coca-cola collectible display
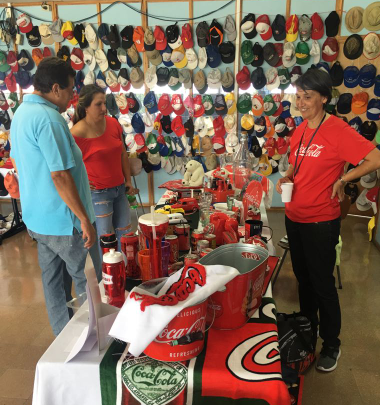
113	274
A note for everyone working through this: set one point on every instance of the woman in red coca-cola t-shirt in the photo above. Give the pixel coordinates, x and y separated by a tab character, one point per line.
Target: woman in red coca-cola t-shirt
319	149
100	139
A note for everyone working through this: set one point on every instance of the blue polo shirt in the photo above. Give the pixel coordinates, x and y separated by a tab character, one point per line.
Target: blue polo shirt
41	143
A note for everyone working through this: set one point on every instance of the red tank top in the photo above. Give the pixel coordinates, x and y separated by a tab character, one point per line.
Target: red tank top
102	156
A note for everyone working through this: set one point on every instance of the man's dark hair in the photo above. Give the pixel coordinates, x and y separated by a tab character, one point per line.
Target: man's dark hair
52	70
317	80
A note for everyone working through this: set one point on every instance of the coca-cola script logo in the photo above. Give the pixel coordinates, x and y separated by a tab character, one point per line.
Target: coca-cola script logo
153	382
251	255
314	150
193	274
174	334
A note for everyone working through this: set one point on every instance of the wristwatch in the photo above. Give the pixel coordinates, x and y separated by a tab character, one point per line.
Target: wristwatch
342	181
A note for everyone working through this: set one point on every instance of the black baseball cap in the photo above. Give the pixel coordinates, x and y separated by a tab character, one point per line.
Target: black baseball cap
353	47
27	63
258	78
133	103
258	55
79	35
336	74
113	61
34	37
368	129
220	105
162	76
216	33
332	24
203	34
278	28
172	33
113	37
103	33
270	54
249	29
227	52
166	124
344	103
127	37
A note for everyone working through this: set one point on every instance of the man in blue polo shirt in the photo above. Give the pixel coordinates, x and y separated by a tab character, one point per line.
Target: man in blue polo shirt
54	188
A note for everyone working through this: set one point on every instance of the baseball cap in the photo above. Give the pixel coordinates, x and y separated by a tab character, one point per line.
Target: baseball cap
367	76
161	41
192	58
208	104
150	102
113	61
200	82
138	123
344	103
285	109
315	51
269	105
126	35
359	103
304	27
198	106
213	56
332	23
91	37
24	23
376	90
278	28
230	103
123	79
166	124
121	55
230	123
336	74
12	61
353	47
218	124
230	28
174	82
258	55
187	36
203	35
318	28
260	126
138	38
257	105
247	52
46	35
36	55
177	104
34	37
111	104
166	56
154	57
133	103
289	55
351	76
185	78
76	58
121	102
214	79
247	123
291	27
162	76
2	82
373	110
137	78
273	81
101	60
330	49
258	78
227	52
67	31
368	129
302	53
228	82
263	27
177	126
270	54
284	76
164	104
173	37
79	35
220	105
178	57
202	58
103	32
149	40
248	26
356	122
216	33
243	78
244	103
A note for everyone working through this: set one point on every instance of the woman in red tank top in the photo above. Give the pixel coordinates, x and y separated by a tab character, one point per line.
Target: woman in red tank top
100	138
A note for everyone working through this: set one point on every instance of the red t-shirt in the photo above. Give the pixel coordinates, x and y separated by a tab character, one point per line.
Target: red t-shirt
333	145
102	156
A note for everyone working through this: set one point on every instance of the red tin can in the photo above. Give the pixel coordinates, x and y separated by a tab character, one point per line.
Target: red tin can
206	251
174	247
211	239
183	233
195	237
190	259
130	247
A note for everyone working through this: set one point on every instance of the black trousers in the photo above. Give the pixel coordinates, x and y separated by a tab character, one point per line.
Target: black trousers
312	250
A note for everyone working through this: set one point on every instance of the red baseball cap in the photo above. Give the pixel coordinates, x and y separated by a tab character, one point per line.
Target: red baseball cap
282	145
199	108
76	57
219	127
46	52
263	27
164	104
271	146
291	28
279	47
277	99
243	78
140	142
12	61
219	143
318	28
290	123
159	35
187	37
177	104
177	126
330	49
11	83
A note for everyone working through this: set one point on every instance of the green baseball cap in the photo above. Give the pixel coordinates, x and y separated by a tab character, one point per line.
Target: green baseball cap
284	77
247	52
13	102
302	53
244	103
4	67
208	104
168	141
174	82
270	106
151	143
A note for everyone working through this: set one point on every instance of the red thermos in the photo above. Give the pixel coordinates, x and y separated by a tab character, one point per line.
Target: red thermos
113	274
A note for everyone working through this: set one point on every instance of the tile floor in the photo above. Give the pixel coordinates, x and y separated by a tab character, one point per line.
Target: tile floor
25	332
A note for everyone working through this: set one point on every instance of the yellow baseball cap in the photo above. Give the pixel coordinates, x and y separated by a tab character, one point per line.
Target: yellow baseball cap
179	57
247	122
67	32
231	103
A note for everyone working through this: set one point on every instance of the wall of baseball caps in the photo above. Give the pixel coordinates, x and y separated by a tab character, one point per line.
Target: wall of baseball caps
121	16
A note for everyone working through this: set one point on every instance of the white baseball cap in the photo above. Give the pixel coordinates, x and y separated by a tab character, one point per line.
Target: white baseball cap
91	37
101	60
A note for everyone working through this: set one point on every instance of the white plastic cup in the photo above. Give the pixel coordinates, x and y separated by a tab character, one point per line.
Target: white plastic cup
287	190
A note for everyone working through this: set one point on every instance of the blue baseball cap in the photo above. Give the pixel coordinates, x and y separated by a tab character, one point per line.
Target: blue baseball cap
23	79
373	110
356	123
79	78
351	76
138	124
376	90
323	66
285	109
150	102
367	76
213	56
101	80
2	82
103	32
166	56
298	120
25	60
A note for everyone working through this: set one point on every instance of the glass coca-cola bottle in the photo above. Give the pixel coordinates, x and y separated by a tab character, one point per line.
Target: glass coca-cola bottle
242	166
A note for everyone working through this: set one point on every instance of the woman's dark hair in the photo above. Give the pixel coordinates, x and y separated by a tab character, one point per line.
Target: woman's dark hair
317	80
86	96
52	70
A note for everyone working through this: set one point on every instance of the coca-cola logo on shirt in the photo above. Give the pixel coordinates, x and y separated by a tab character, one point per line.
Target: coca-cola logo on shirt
313	150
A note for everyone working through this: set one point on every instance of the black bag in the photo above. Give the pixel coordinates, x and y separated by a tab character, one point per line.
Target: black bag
297	341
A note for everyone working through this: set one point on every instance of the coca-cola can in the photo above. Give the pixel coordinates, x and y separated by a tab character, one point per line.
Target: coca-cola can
195	237
190	259
205	252
174	247
130	247
183	233
202	244
212	240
